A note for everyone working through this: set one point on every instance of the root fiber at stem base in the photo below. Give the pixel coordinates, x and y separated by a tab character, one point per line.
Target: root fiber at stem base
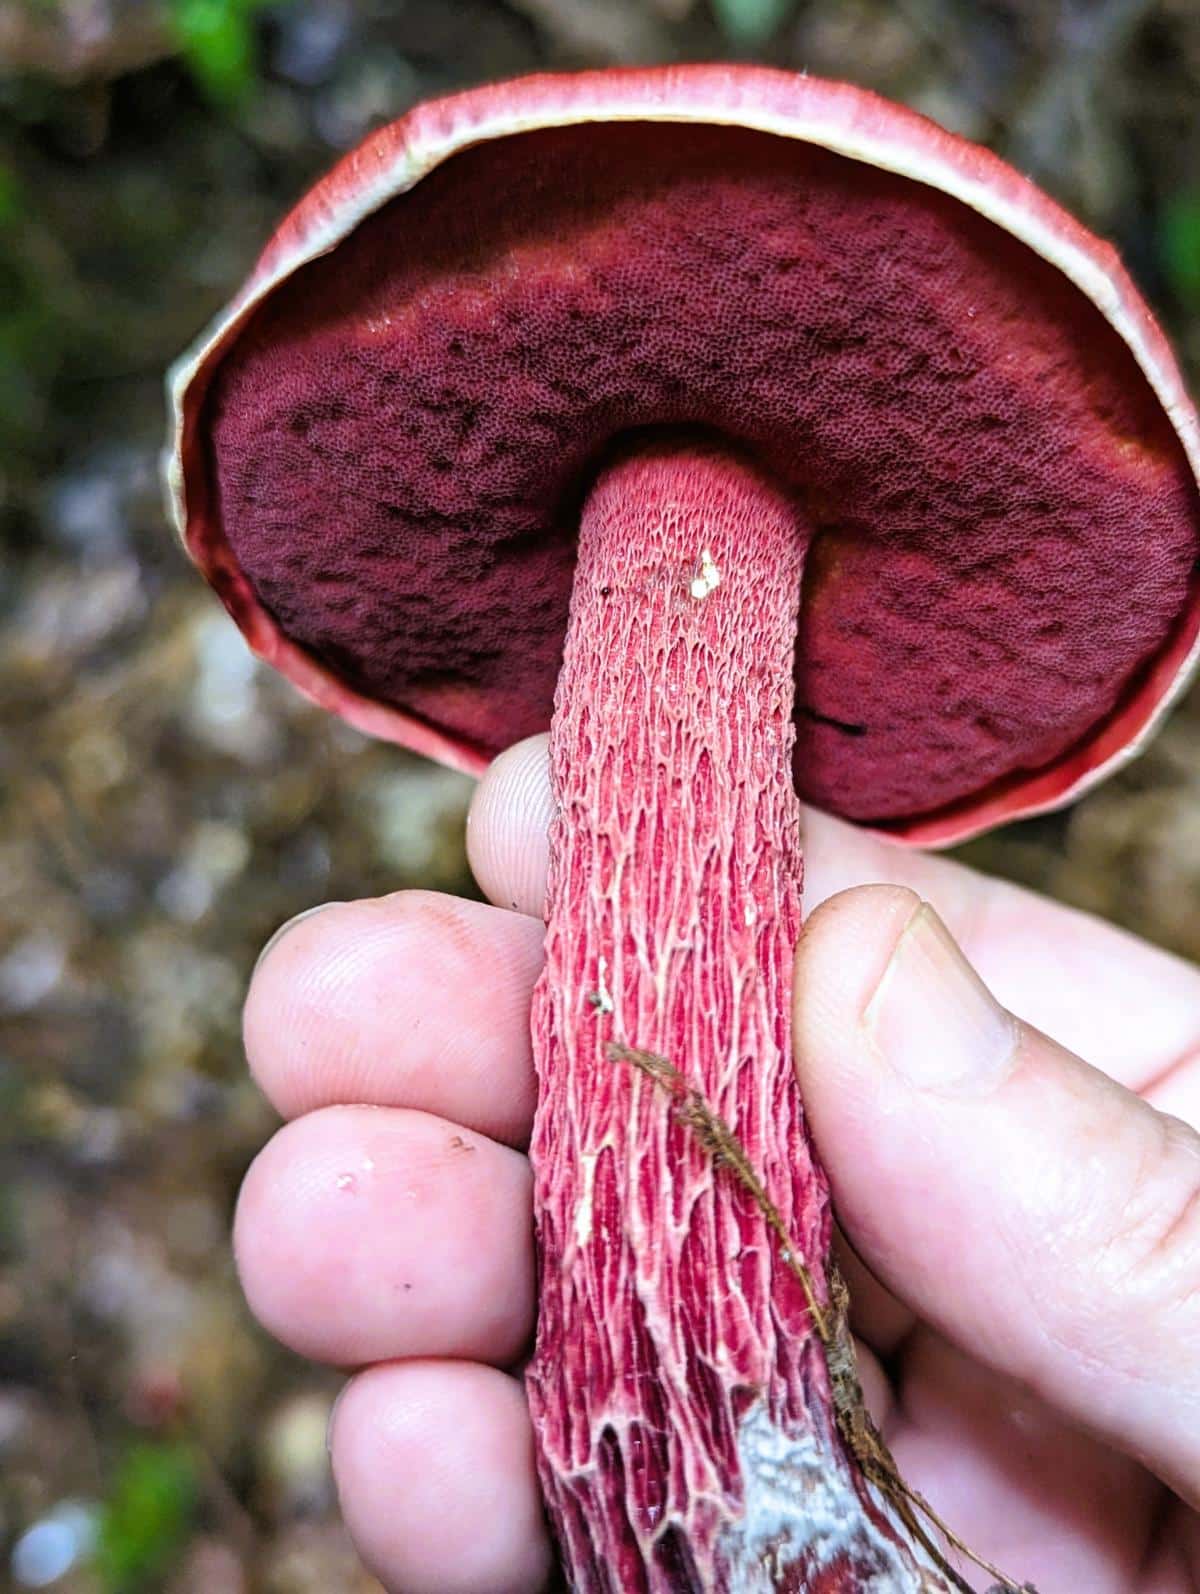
831	1323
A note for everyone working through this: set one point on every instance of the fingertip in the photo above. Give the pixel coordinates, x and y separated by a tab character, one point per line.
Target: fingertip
847	944
508	827
363	1234
434	1466
1025	1204
416	999
277	998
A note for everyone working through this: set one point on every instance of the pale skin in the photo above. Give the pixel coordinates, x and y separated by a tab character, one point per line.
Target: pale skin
1023	1226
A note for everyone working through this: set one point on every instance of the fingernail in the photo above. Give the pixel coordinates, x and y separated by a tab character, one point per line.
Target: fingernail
287	927
933	1019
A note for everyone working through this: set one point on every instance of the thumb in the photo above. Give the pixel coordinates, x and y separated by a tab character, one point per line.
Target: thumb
1038	1214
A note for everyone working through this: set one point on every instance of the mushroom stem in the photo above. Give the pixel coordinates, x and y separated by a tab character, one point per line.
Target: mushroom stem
679	1389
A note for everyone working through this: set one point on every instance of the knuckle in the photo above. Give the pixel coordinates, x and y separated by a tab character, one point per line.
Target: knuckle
1152	1255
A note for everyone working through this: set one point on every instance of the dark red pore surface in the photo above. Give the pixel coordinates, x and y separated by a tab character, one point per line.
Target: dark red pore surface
1005	523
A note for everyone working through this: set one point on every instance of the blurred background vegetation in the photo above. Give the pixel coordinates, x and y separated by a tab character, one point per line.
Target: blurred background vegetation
166	803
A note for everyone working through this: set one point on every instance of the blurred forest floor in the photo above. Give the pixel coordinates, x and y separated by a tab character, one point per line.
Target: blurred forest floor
166	803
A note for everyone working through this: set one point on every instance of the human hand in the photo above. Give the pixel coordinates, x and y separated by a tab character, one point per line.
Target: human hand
1026	1228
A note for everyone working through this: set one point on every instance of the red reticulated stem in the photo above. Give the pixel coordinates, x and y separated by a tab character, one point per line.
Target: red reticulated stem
680	1394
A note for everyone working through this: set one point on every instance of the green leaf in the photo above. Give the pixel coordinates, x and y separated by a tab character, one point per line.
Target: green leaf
751	22
217	41
146	1517
1179	247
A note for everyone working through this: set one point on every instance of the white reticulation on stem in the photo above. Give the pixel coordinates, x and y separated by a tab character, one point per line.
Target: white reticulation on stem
666	1311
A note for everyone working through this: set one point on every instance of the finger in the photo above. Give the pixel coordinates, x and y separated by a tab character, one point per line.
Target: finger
875	1385
875	1313
508	826
414	1000
1036	1213
435	1474
369	1233
1046	1504
1177	1090
1175	1565
1142	1013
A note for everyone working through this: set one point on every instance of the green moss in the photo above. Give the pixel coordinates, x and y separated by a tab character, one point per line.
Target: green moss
147	1516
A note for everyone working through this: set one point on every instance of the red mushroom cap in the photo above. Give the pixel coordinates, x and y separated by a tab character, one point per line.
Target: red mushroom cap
382	445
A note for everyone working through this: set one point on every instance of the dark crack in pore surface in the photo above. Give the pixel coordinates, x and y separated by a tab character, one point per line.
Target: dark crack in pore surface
403	436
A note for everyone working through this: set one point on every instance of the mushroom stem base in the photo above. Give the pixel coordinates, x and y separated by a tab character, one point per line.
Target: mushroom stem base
680	1395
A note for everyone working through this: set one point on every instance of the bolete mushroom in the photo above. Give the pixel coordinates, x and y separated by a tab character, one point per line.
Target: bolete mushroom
624	404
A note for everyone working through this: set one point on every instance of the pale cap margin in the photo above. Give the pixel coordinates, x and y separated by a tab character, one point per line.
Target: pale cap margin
840	117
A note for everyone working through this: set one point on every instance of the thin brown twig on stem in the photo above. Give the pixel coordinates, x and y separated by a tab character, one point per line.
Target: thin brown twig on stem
831	1323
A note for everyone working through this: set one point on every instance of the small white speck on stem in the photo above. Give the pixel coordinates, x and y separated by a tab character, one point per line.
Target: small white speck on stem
708	577
601	997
